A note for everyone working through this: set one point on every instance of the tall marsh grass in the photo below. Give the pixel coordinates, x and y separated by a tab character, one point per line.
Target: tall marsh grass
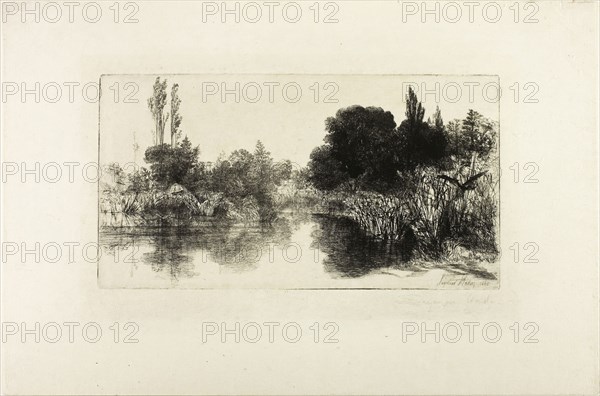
444	215
385	217
438	215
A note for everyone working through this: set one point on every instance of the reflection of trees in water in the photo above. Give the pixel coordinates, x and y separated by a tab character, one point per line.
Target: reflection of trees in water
237	247
296	218
240	247
167	256
170	256
350	251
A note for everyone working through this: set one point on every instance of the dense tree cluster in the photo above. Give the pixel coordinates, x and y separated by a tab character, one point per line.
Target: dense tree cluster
241	175
177	164
244	174
365	149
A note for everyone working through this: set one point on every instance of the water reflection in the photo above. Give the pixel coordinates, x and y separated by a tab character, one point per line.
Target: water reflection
352	253
345	249
174	249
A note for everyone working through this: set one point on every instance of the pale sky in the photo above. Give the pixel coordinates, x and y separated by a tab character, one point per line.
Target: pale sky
289	123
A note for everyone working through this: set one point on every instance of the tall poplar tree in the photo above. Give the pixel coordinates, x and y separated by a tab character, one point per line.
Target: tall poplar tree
156	104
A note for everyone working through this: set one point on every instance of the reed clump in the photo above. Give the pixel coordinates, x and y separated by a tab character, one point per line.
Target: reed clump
383	216
431	211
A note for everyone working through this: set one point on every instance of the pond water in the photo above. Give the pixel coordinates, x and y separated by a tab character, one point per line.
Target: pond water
299	250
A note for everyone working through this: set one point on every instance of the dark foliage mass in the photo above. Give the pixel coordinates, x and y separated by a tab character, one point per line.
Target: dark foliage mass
326	172
420	176
177	164
365	147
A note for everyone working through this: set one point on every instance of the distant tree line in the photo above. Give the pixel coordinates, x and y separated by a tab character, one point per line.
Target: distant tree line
243	177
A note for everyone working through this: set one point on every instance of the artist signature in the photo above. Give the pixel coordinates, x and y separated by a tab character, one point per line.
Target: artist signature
464	280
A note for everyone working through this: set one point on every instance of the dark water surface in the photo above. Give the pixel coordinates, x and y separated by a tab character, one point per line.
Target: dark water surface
344	249
297	250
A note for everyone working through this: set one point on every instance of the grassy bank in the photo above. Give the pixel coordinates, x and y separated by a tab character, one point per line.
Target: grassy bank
438	219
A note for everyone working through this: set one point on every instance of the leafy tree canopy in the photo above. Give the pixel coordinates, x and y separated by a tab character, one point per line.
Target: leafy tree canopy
366	148
177	164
